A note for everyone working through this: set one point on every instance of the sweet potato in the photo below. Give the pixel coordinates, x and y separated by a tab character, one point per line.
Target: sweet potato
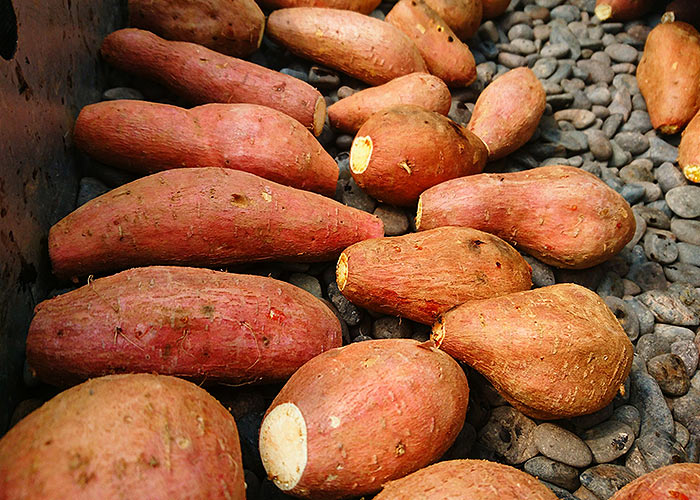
507	112
553	352
146	137
362	6
682	10
676	481
689	150
562	215
361	46
355	417
420	275
444	54
494	8
195	323
669	75
203	76
124	436
403	150
420	89
468	479
622	10
233	27
462	16
203	217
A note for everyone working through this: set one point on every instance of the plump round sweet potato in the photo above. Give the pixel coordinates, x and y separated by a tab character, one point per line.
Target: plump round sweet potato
420	275
562	215
622	10
467	479
553	352
463	16
677	482
124	436
195	323
689	150
355	417
362	6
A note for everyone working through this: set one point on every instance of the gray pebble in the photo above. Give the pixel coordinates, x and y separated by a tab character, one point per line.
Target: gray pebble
553	472
510	434
554	50
545	67
660	448
523	46
609	440
638	121
654	217
688	253
521	31
542	274
625	314
601	57
620	157
583	493
687	407
681	434
652	192
629	415
649	276
633	193
610	286
459	112
625	81
669	371
599	72
394	219
599	145
355	197
606	479
568	13
612	124
514	17
510	60
684	201
660	246
630	288
296	73
686	230
661	151
673	333
668	308
687	350
548	4
347	310
634	142
118	93
625	68
683	272
307	282
562	34
583	422
621	104
646	395
637	171
669	177
651	345
323	77
389	327
620	52
489	31
344	142
561	445
599	94
638	103
564	69
559	101
580	118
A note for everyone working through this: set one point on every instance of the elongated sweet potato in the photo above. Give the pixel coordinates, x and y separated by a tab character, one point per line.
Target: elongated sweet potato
420	275
682	10
553	352
689	150
355	417
669	75
562	215
444	54
362	6
463	16
233	27
494	8
204	76
146	137
622	10
472	479
191	322
420	89
403	150
677	481
124	436
361	46
507	112
203	217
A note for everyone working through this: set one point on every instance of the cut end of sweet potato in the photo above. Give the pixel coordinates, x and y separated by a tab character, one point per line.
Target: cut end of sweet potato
603	12
692	172
360	154
668	17
669	129
419	212
341	271
319	115
283	445
438	333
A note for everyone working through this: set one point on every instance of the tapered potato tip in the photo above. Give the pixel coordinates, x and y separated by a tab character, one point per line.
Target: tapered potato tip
692	172
283	445
669	129
360	154
341	271
668	17
603	12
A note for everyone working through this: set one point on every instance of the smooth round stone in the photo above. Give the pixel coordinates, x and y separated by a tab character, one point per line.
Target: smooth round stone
625	81
296	73
682	434
514	17
562	34
621	104
612	124
548	4
687	350
669	371
545	67
661	151
639	104
630	416
609	440
634	142
673	333
510	60
599	145
542	33
521	31
601	57
604	480
651	345
669	177
646	395
668	308
644	315
683	272
307	282
542	274
649	276
626	68
688	253
660	448
573	84
686	230
568	13
523	46
537	12
599	95
638	121
653	216
661	205
687	407
561	445
620	157
660	247
580	118
610	285
389	327
620	52
564	70
394	219
633	193
684	201
625	315
346	309
510	434
553	472
599	72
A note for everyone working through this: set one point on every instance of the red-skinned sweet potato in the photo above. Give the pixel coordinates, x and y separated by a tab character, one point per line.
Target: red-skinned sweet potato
676	481
203	217
420	275
233	27
494	8
204	76
124	436
355	417
689	150
361	46
682	10
190	322
463	16
507	112
419	89
622	10
669	75
403	150
467	479
146	137
562	215
553	352
362	6
444	54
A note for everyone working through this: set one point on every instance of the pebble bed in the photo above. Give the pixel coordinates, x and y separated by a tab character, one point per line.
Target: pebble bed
595	119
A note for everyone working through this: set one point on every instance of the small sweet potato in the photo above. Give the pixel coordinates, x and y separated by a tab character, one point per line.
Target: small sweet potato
362	6
463	16
203	76
403	150
146	137
622	10
467	479
494	8
507	112
676	481
361	46
355	417
682	10
562	215
233	27
203	217
689	150
669	75
553	352
420	275
420	89
190	322
124	436
444	54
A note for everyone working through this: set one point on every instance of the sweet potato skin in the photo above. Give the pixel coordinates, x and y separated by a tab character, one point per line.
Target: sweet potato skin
361	46
203	76
412	149
689	150
669	75
463	16
374	411
507	112
137	436
189	322
553	352
146	137
622	10
232	27
419	89
362	6
562	215
681	481
420	275
494	8
203	217
473	479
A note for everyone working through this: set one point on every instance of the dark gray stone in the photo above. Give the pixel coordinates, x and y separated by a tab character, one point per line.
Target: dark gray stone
561	445
667	308
306	282
579	118
633	193
347	310
688	253
651	345
355	197
669	177
599	145
661	151
568	13
625	81
686	230
646	395
649	276
606	479
669	371
562	34
545	67
599	72
90	188
611	285
654	217
509	434
681	271
555	50
621	104
660	448
687	350
609	440
394	219
611	124
553	472
634	142
625	314
638	121
672	333
660	246
620	52
684	201
521	30
687	407
639	170
510	60
630	416
389	327
542	274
